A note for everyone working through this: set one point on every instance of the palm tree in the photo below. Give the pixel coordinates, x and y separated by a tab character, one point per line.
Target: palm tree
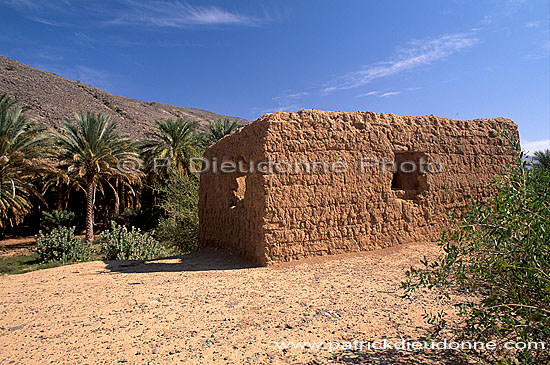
219	129
542	158
23	150
172	145
94	154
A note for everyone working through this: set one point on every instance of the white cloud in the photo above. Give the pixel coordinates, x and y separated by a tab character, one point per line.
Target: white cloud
161	13
533	24
99	78
379	94
390	93
487	19
289	95
418	53
22	4
40	11
287	101
370	93
279	108
513	6
81	37
178	14
534	146
541	47
46	21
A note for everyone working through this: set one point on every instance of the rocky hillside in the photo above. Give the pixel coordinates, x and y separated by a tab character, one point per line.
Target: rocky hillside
51	98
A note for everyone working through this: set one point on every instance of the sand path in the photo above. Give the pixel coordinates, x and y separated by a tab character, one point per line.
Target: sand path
211	307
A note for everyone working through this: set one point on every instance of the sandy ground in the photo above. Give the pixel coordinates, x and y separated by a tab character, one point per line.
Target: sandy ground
212	307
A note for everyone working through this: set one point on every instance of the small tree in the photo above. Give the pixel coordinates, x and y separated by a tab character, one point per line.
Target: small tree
93	153
179	200
499	254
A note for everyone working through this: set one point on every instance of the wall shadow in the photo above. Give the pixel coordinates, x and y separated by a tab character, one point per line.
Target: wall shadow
205	259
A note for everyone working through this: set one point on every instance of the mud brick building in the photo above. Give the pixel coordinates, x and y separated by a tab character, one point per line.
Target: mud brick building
293	185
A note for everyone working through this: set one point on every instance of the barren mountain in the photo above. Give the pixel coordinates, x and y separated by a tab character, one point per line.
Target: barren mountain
51	98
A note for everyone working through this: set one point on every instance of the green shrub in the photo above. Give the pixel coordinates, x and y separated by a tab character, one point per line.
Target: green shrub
119	243
541	159
179	199
499	254
57	219
60	244
177	234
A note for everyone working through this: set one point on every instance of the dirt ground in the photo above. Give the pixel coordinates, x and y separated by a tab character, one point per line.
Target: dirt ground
213	307
16	246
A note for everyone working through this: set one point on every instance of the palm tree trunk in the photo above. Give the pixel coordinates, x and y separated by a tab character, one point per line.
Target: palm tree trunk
122	197
1	183
59	197
90	200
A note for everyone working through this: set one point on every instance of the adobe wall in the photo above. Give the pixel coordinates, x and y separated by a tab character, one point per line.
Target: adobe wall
286	216
231	216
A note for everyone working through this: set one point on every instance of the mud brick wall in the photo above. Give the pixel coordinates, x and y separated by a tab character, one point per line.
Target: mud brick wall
272	217
232	205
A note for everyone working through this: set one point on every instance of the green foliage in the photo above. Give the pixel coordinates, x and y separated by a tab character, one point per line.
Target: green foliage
95	155
499	254
219	129
179	200
61	245
91	148
20	264
119	243
57	219
22	155
171	146
542	159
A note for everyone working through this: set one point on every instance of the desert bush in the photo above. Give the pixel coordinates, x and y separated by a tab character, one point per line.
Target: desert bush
499	254
176	234
60	244
119	243
57	219
179	200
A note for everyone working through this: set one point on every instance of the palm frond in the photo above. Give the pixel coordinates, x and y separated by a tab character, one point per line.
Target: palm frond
24	151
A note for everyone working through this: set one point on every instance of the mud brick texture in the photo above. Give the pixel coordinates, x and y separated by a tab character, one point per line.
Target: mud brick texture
367	198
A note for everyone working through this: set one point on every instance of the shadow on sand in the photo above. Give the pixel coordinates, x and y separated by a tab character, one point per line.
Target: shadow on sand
400	357
205	259
12	244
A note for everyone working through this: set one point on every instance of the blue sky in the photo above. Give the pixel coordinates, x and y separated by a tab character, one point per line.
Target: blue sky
457	59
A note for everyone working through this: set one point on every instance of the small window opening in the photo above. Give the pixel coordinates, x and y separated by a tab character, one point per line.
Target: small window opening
238	191
408	173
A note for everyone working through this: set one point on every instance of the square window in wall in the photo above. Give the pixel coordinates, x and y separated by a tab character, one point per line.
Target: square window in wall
408	175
